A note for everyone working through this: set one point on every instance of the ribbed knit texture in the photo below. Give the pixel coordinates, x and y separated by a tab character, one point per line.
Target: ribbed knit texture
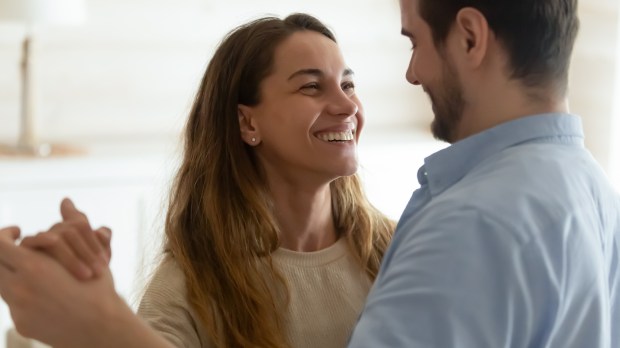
327	290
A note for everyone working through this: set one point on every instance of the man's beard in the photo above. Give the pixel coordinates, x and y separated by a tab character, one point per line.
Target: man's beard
448	105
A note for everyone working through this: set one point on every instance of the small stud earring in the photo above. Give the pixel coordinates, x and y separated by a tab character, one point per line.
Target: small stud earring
253	139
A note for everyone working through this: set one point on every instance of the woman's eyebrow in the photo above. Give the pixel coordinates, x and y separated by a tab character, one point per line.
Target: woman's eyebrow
313	72
317	73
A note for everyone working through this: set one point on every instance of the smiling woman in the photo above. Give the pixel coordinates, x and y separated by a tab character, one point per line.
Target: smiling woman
270	240
307	99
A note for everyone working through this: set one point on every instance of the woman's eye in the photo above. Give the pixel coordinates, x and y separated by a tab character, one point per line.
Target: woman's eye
310	86
348	86
311	89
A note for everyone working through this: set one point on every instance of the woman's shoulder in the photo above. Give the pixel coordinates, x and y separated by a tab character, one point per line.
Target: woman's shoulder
165	307
167	280
168	270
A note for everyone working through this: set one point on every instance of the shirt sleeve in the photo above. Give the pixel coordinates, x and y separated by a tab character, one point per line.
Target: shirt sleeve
445	284
165	308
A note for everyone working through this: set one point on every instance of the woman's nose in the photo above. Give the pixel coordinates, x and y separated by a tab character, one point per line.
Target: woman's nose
342	104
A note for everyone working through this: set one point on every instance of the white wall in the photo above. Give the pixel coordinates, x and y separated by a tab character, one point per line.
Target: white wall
133	67
592	83
615	138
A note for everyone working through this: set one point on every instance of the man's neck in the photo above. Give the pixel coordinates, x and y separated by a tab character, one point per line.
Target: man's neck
504	106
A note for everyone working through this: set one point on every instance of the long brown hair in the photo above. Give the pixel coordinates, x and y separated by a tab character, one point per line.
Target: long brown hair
220	227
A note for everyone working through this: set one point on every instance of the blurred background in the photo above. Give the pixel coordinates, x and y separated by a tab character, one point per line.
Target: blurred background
115	86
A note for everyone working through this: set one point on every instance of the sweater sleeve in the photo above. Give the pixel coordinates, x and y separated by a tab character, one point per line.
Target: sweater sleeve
165	308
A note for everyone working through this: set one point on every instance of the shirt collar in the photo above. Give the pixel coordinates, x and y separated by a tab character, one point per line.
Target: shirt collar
446	167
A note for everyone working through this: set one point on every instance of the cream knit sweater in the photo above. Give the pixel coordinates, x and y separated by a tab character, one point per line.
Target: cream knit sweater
327	292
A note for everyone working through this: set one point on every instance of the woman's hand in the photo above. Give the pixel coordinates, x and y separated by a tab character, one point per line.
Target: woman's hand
73	243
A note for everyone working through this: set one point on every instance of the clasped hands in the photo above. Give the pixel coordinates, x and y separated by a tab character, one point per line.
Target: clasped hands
55	272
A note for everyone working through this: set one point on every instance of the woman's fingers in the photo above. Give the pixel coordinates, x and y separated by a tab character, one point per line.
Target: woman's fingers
84	242
70	213
83	252
54	245
104	236
8	253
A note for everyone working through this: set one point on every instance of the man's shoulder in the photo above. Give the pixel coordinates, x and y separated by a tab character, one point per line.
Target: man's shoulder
530	171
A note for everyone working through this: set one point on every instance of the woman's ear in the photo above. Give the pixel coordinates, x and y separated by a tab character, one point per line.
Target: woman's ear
247	125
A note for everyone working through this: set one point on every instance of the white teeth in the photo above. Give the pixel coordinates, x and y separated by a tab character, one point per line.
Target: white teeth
336	136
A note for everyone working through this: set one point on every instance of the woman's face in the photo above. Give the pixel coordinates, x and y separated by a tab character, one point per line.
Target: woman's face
308	121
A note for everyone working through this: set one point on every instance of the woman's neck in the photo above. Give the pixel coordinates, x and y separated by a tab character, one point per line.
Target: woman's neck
305	217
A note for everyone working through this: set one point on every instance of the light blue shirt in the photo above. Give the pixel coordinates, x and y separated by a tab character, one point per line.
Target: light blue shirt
512	240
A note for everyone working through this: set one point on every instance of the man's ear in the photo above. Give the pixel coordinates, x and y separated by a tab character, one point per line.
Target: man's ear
473	35
247	125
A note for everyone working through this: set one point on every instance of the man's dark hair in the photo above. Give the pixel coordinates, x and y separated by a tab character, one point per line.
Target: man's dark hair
538	35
